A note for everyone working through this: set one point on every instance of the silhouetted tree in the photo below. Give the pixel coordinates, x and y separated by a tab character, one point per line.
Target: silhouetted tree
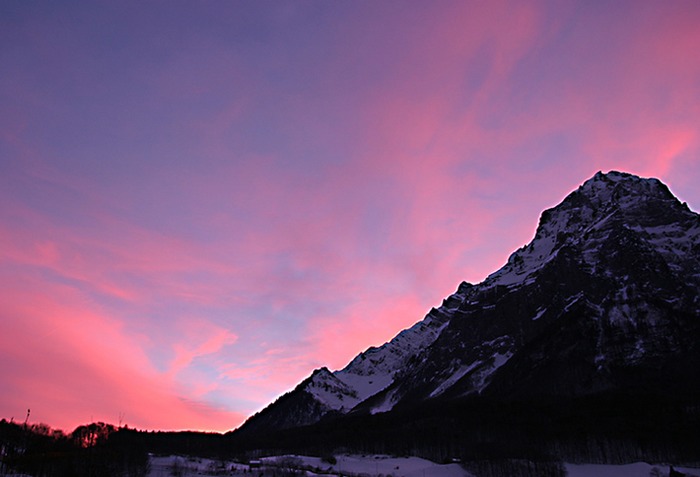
96	449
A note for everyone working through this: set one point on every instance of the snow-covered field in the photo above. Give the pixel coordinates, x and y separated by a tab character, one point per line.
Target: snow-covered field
189	467
371	466
352	465
381	465
639	469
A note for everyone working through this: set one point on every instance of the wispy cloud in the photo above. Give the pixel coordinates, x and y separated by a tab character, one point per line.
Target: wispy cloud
199	206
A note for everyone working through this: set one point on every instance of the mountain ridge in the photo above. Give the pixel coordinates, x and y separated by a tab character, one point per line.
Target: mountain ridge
606	289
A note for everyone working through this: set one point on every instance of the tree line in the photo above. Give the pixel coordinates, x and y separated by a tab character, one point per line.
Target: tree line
488	436
96	449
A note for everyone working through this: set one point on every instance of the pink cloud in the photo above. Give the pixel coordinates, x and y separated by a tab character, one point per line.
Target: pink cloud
69	363
307	201
200	338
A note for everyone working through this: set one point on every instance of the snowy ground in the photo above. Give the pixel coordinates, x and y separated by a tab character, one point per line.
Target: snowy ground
370	466
190	467
382	465
351	465
639	469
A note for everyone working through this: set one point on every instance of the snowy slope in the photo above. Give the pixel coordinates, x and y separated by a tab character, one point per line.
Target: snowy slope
375	369
325	392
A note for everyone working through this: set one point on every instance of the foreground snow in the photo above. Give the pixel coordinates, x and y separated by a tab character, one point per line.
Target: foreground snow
384	465
314	466
365	466
639	469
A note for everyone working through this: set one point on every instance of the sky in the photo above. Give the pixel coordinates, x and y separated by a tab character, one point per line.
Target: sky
201	202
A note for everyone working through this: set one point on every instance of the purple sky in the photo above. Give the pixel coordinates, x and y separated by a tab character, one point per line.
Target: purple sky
201	202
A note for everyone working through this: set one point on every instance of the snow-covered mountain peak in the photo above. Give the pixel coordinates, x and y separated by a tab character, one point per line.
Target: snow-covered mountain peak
604	196
321	373
331	391
622	189
585	217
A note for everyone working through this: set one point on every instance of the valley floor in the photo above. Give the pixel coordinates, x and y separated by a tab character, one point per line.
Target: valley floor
278	466
639	469
372	466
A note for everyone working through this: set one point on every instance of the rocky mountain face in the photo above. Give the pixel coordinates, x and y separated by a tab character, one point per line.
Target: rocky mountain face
606	297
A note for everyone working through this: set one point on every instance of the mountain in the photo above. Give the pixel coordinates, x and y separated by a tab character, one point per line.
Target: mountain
604	299
327	394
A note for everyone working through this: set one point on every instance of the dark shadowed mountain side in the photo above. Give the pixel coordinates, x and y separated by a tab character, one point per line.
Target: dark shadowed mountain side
586	342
